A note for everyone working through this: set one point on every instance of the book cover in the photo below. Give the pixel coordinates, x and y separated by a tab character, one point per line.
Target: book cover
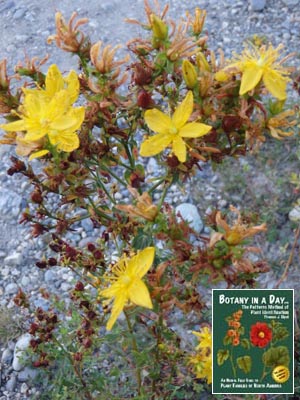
253	341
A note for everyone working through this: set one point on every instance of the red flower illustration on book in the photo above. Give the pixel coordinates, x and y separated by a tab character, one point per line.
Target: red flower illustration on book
260	334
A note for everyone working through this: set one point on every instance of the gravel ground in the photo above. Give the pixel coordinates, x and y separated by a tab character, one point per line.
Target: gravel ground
24	28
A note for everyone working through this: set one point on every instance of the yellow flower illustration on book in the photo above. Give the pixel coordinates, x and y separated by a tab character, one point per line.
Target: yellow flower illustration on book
127	285
172	130
48	113
258	64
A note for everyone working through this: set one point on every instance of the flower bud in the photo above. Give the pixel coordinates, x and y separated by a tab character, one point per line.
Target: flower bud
4	81
189	74
199	20
159	28
202	62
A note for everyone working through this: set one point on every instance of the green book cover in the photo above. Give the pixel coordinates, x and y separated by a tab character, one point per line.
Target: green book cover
253	341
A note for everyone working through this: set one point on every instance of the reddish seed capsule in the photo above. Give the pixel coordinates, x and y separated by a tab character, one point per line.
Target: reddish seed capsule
91	247
36	197
79	286
98	254
142	75
91	315
33	328
52	261
41	264
87	343
78	356
144	99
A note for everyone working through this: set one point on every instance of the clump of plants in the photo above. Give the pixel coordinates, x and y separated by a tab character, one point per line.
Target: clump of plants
80	138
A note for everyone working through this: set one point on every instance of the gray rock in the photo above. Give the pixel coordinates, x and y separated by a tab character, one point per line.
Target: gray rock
152	166
257	5
42	303
25	281
24	388
27	374
13	259
6	5
9	200
11	384
50	276
22	345
294	214
190	214
7	356
20	12
65	286
291	3
87	225
11	288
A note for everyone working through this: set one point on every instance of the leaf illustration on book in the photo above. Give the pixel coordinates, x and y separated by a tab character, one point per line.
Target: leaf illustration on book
245	343
227	340
280	332
244	363
222	356
276	356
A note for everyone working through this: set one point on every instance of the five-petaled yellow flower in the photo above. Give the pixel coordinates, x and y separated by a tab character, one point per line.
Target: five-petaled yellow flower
127	285
202	360
204	336
171	130
48	113
258	64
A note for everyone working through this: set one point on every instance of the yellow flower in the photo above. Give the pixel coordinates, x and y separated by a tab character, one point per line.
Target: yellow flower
202	366
204	338
262	63
127	285
171	130
202	360
49	113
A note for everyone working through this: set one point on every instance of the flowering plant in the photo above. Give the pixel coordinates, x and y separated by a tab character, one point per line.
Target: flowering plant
185	107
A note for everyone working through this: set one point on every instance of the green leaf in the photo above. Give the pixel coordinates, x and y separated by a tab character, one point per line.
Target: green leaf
245	343
142	240
227	340
222	356
241	330
280	332
276	356
244	363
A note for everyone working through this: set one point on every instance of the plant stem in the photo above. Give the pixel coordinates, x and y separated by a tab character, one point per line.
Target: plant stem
77	371
156	185
232	364
290	259
135	348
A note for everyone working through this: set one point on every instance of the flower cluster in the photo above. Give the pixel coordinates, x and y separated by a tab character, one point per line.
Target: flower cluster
234	324
47	116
